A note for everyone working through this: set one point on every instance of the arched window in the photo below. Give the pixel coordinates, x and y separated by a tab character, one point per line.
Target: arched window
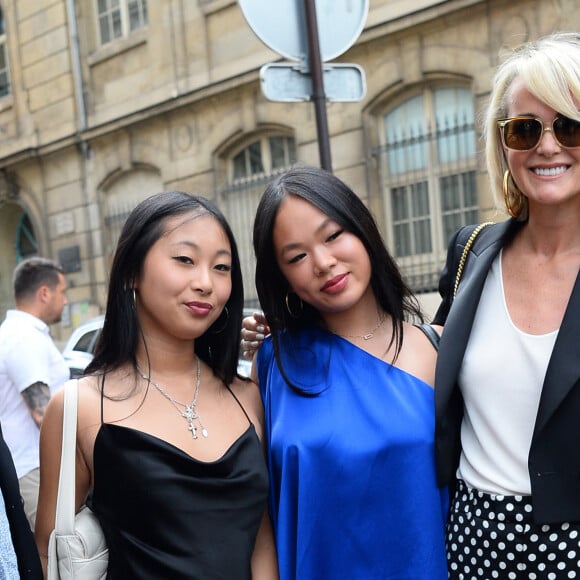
121	195
250	169
428	167
264	156
118	18
26	244
4	75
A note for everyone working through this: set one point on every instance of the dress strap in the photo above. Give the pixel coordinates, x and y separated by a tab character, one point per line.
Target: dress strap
240	404
430	333
102	397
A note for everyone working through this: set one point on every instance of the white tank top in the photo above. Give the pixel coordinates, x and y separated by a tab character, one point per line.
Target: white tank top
501	381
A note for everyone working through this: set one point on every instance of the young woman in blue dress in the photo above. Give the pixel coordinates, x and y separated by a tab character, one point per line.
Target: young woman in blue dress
347	385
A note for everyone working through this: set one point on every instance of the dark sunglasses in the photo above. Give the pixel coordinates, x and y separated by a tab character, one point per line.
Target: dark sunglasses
524	133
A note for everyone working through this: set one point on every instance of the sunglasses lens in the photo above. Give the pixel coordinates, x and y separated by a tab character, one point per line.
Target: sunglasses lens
522	134
567	131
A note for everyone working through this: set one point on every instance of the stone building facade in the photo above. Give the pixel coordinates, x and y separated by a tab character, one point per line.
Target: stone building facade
103	103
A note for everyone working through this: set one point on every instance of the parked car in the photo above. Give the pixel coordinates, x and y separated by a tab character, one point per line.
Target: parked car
79	348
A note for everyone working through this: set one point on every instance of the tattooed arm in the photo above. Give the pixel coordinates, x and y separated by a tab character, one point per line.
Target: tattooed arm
36	397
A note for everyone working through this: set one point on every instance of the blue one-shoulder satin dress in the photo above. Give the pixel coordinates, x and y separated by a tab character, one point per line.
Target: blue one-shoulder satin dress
352	465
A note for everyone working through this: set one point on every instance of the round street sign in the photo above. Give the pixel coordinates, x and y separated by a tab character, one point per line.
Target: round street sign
281	25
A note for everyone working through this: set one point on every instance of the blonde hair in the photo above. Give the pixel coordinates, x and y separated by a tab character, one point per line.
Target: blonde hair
550	69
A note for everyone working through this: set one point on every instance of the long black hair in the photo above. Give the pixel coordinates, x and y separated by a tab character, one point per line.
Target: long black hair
336	200
219	345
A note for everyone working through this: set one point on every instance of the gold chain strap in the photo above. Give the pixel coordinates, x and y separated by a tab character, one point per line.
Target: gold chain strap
463	259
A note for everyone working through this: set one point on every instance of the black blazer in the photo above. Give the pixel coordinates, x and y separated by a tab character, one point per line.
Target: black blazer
22	538
554	457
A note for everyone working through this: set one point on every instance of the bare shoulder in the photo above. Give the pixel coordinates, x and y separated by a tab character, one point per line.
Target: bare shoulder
89	384
417	338
89	393
54	410
89	418
248	395
89	410
418	356
438	328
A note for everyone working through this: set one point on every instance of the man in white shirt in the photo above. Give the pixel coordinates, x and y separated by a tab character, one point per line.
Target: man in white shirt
31	367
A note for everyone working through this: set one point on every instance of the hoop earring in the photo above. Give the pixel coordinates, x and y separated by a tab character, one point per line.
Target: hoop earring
287	300
225	323
516	208
134	298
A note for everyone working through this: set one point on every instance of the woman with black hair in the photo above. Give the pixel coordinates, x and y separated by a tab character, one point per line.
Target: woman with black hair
167	436
346	381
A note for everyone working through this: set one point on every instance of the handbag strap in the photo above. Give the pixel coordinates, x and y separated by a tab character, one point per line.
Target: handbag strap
65	500
430	333
465	253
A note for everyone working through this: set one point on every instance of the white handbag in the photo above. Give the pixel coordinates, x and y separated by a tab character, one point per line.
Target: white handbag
77	547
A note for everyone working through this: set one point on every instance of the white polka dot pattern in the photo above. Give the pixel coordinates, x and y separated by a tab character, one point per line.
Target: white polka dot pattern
494	536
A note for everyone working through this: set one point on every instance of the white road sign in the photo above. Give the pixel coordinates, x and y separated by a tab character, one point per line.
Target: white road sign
292	83
281	25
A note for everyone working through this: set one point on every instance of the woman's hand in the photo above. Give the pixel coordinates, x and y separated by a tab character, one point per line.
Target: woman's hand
254	330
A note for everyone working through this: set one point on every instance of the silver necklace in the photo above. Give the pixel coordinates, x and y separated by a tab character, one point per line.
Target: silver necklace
368	335
190	413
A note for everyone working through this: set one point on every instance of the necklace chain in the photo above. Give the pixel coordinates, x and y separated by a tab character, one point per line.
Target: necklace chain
369	334
190	413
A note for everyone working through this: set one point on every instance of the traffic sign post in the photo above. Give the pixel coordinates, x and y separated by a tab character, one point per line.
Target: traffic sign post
318	96
331	27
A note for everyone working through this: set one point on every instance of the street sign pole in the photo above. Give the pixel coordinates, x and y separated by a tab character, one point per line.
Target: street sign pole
294	29
318	96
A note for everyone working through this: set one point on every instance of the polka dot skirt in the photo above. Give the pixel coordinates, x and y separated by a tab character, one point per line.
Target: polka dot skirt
494	536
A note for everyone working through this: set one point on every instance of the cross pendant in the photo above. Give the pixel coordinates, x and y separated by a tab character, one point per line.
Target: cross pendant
192	428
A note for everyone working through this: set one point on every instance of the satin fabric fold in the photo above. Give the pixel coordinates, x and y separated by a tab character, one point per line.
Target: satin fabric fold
168	515
352	465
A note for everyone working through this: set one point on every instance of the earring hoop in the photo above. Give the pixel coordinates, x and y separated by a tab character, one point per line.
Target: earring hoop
225	323
287	300
515	208
134	298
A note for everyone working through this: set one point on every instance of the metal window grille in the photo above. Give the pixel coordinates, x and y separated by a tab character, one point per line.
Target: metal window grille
239	203
428	183
4	75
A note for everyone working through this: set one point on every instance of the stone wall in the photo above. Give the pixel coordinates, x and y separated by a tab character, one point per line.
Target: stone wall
165	106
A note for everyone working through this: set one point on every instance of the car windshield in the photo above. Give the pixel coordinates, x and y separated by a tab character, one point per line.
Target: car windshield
86	343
